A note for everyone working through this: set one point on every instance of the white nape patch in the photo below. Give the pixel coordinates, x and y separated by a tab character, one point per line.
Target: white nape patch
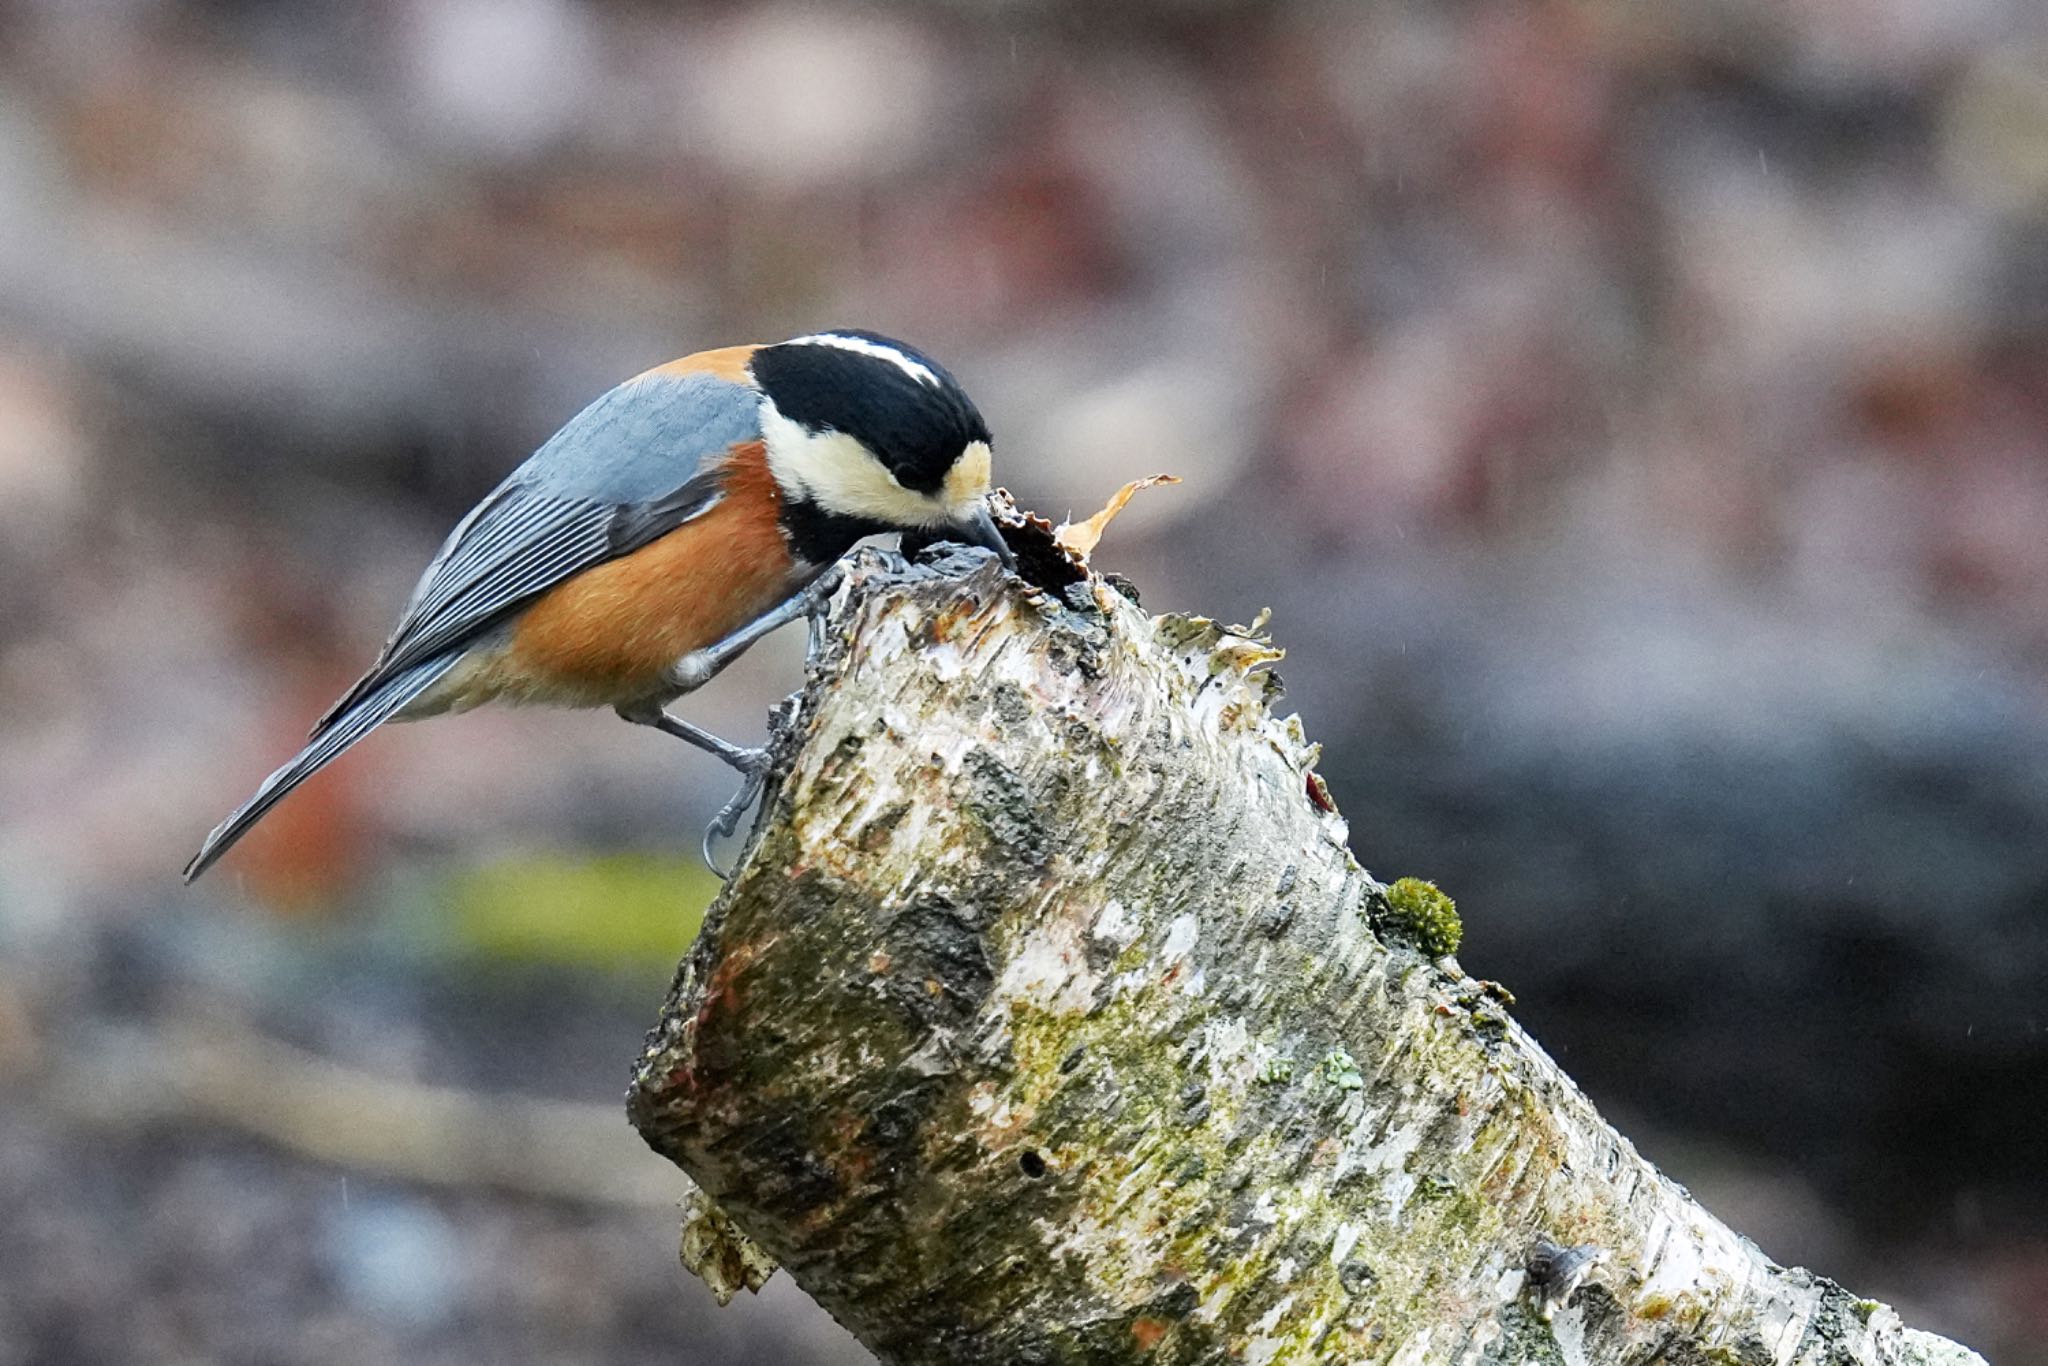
841	475
878	350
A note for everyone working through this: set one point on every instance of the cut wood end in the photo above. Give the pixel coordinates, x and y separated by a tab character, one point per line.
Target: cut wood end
1079	538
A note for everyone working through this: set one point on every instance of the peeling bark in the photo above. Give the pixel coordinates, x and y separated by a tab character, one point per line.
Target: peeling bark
1045	1021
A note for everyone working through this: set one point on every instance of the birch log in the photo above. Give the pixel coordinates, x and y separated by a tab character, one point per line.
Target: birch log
1045	1021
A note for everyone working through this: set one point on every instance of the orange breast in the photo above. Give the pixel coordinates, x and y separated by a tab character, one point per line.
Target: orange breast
605	635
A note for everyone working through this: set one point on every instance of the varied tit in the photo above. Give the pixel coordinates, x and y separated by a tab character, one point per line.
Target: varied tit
672	523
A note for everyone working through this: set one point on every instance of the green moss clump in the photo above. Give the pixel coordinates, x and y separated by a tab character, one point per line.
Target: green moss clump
1436	1187
1526	1339
1419	914
1341	1072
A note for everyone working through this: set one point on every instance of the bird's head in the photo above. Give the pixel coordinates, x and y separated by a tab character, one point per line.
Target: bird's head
865	434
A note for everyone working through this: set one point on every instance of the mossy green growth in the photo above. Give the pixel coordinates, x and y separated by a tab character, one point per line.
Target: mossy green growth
1419	914
1341	1072
1526	1340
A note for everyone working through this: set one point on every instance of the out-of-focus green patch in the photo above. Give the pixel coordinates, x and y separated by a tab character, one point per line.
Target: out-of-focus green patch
614	911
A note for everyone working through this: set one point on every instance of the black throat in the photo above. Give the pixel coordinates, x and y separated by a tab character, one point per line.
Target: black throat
820	536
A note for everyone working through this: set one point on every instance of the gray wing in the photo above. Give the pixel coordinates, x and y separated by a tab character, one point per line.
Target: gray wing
634	465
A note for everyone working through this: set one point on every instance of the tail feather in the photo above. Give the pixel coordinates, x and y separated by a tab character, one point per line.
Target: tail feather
375	707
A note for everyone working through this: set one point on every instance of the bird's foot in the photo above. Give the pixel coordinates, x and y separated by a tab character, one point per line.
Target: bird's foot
814	595
753	767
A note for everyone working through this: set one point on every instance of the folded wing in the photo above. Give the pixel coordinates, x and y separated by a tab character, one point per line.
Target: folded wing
633	466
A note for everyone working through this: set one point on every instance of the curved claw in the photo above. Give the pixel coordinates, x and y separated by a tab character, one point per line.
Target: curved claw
727	821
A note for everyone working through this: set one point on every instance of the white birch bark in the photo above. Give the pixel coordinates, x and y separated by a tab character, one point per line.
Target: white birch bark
1046	1021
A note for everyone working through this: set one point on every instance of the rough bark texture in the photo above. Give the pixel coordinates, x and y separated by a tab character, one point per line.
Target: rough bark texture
1046	1021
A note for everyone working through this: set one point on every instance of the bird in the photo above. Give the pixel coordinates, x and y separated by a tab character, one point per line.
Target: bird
676	520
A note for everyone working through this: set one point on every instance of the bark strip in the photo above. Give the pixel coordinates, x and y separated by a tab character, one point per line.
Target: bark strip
1045	1021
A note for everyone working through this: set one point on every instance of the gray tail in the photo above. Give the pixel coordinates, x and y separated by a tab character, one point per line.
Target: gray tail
371	710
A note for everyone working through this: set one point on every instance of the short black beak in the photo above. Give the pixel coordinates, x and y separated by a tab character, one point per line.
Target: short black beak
981	529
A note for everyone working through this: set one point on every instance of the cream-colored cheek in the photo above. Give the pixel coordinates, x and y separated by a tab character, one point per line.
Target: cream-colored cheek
967	482
839	474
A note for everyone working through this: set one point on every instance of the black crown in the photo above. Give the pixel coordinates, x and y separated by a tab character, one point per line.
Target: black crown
916	428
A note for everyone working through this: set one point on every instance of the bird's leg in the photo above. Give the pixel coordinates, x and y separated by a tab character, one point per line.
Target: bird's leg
752	764
740	757
699	667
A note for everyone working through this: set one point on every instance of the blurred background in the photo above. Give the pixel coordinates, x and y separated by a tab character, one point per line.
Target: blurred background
1636	415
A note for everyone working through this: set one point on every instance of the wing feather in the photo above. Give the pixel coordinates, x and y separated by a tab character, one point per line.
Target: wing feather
633	466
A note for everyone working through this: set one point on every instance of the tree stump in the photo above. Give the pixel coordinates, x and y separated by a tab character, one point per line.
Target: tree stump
1049	1018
